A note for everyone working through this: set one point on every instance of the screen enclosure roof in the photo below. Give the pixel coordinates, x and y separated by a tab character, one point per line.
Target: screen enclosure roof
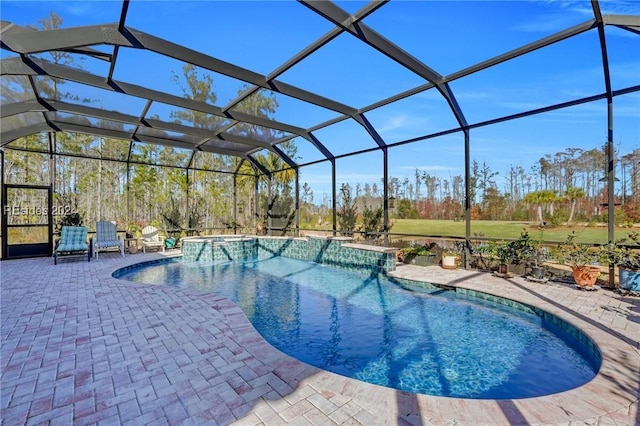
339	65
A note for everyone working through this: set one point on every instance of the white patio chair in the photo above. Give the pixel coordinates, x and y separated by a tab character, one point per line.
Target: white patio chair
151	239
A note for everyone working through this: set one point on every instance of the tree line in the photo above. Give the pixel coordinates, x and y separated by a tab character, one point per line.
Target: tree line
560	187
138	184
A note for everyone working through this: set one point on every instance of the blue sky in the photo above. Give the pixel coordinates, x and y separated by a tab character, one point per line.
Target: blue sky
447	36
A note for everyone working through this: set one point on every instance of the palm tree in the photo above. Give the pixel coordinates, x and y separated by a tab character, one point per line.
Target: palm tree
283	174
539	199
573	194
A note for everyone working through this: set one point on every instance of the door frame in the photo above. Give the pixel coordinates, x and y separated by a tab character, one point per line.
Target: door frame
16	251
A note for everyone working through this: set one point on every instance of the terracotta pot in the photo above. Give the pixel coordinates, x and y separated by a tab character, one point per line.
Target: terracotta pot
585	276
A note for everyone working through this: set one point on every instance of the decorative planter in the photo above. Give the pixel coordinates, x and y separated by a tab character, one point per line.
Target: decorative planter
537	272
449	262
483	263
420	259
629	280
585	276
503	271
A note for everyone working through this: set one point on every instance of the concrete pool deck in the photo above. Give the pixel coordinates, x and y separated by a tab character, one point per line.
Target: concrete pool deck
80	347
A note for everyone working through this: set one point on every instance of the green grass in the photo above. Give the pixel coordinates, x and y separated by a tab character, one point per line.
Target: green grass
498	229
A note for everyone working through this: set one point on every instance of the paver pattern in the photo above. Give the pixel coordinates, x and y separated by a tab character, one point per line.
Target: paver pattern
80	347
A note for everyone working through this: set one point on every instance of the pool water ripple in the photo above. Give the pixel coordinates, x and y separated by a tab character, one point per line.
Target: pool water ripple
433	342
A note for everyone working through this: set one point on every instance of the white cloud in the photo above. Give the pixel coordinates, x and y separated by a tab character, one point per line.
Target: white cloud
568	10
404	122
620	7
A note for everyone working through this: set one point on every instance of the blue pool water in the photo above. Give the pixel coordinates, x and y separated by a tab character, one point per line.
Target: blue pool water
434	342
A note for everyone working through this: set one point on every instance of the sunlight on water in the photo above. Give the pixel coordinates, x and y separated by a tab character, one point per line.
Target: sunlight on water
433	342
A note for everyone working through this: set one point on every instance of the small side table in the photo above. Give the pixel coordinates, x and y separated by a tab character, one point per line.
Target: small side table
132	245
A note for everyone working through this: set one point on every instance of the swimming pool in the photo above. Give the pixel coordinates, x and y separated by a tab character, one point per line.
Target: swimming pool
422	340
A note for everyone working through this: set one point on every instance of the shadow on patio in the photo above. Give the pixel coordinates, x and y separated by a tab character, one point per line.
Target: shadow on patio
80	347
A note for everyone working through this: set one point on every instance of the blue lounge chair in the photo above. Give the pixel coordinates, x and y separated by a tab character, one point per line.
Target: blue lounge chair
73	241
107	237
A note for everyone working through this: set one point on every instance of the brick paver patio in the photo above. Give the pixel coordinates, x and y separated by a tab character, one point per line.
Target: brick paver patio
80	347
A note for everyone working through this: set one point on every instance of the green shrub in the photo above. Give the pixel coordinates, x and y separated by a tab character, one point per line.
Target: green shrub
416	251
70	219
373	223
348	212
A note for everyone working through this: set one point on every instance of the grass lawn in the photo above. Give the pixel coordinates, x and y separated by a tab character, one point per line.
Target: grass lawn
419	228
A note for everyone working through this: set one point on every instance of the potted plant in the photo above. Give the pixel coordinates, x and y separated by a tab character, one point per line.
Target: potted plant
451	255
132	230
529	252
487	256
417	255
505	254
449	258
536	260
582	258
627	257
